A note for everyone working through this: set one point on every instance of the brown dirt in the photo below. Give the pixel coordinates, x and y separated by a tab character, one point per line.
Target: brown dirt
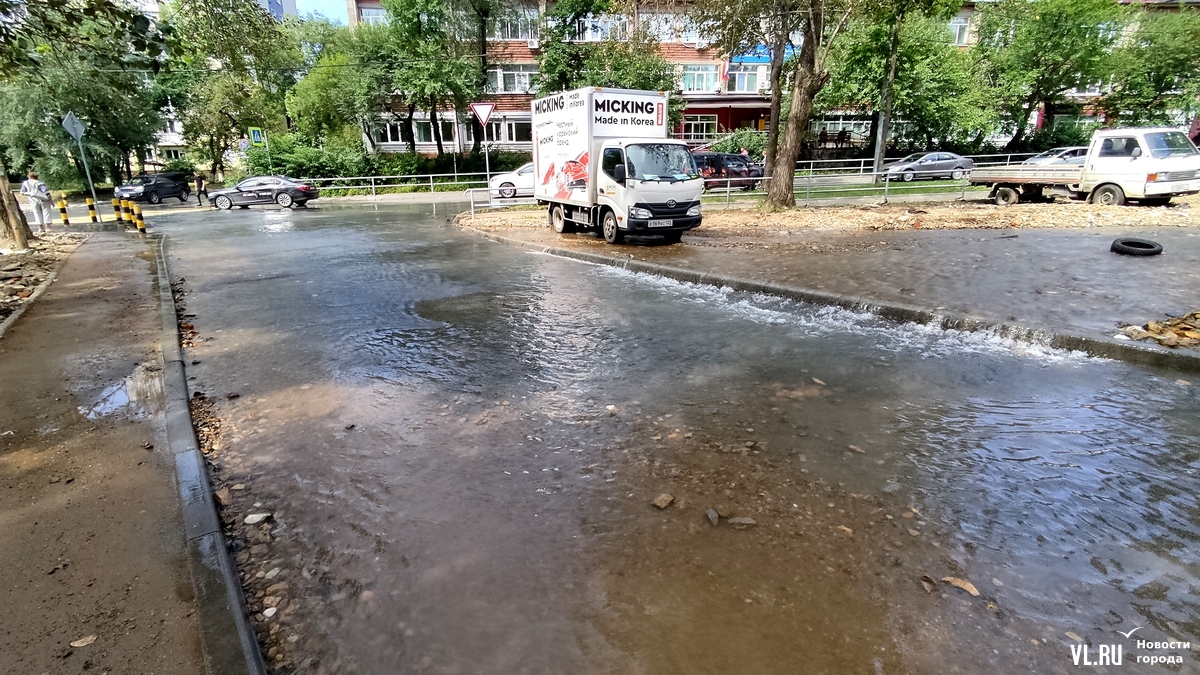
92	533
729	227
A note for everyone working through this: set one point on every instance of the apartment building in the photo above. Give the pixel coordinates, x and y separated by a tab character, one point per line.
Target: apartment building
721	94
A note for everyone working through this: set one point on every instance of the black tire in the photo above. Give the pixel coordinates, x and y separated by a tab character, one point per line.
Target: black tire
184	196
153	198
1109	195
1006	196
958	173
224	203
300	204
558	220
284	199
908	176
1132	246
508	190
608	227
243	206
673	237
1156	201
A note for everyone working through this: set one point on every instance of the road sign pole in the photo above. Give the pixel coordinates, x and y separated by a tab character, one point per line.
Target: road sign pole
87	170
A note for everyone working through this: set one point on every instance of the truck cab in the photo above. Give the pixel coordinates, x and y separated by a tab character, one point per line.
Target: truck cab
1148	164
651	186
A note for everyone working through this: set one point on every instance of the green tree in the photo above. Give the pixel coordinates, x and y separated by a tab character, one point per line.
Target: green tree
936	92
738	28
567	62
320	103
29	31
1156	71
1032	52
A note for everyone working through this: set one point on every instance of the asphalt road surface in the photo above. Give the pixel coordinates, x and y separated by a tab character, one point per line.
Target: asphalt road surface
458	443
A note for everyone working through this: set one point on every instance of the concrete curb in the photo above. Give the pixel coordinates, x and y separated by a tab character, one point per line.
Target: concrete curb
1110	349
230	645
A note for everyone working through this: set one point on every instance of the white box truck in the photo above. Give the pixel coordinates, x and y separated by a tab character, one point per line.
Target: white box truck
602	160
1149	165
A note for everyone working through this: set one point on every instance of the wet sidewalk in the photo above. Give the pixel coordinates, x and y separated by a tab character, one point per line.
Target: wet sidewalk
93	548
1063	282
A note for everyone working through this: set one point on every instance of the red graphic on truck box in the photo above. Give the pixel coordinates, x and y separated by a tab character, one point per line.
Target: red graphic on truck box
572	175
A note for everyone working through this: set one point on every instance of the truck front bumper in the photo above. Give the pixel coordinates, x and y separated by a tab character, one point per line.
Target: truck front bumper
642	226
1173	187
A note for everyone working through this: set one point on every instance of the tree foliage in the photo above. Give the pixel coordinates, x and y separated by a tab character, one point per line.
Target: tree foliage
1032	52
1156	70
938	94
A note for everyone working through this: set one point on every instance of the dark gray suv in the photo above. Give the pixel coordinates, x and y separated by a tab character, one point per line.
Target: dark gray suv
155	187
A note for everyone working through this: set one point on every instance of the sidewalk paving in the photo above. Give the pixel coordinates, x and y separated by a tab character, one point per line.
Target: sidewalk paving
93	547
1061	281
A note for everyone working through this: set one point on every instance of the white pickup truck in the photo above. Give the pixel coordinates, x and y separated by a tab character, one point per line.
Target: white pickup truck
1147	165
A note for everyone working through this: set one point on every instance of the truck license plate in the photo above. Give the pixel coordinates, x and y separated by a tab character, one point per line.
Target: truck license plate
662	223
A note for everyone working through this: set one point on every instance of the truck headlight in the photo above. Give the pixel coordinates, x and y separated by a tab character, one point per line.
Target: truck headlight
639	212
1155	177
694	211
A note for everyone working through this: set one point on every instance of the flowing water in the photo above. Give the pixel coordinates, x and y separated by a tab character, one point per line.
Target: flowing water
459	441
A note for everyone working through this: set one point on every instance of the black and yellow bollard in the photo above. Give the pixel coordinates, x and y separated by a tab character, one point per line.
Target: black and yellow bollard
91	204
126	212
62	211
116	204
137	216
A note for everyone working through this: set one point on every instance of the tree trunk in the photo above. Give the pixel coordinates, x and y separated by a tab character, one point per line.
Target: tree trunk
1022	124
408	125
810	77
777	54
434	127
483	11
15	225
886	99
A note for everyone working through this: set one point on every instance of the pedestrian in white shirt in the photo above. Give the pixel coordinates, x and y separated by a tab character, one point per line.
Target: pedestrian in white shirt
39	200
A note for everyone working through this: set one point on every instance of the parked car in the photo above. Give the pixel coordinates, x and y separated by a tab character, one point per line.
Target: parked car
1068	155
518	183
725	169
929	165
155	187
263	190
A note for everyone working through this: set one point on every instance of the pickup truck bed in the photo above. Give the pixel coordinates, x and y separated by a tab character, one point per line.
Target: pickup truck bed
1043	175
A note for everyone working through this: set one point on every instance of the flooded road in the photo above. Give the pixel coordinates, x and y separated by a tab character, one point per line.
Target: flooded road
458	443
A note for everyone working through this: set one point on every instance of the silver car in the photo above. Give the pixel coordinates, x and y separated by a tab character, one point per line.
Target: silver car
1067	155
929	165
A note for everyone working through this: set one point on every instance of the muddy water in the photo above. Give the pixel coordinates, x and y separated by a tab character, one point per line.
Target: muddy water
459	441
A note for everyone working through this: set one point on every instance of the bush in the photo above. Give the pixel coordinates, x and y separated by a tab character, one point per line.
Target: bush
182	164
751	139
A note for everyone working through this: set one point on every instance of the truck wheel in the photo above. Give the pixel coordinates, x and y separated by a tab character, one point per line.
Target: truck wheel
1006	196
1109	195
558	220
612	234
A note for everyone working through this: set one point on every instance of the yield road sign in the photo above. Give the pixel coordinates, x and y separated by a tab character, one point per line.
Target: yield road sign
483	111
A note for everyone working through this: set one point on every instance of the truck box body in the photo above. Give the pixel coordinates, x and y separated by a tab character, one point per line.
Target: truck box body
570	127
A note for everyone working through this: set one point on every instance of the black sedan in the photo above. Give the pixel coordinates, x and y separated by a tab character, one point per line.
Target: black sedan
263	190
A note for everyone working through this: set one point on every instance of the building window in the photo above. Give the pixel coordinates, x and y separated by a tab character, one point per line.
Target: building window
490	134
520	132
743	77
960	30
376	15
424	131
512	79
699	78
606	27
699	127
172	153
521	24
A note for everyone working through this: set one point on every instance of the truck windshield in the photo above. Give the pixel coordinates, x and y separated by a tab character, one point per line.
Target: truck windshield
660	161
1169	144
